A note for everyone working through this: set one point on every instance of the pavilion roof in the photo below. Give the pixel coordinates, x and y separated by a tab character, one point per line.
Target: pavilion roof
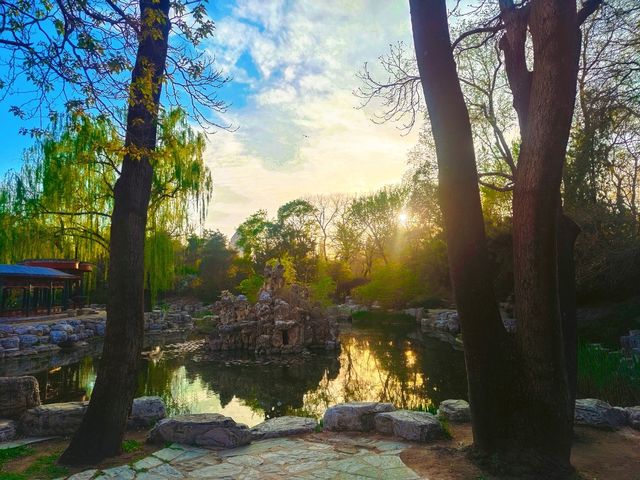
33	272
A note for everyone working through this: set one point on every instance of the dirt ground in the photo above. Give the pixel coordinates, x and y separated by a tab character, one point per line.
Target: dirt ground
57	446
596	455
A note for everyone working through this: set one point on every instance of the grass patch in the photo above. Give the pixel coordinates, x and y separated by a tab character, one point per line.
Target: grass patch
46	467
428	408
608	375
130	446
15	452
320	426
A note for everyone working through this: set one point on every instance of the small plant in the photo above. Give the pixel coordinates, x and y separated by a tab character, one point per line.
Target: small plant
130	446
428	408
319	426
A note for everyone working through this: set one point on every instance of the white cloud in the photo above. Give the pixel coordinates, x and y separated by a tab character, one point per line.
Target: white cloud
299	131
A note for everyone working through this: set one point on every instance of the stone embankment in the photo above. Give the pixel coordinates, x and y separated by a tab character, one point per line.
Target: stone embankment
41	336
22	414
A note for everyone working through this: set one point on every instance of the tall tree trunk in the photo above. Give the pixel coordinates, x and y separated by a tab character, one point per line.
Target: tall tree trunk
487	344
568	232
521	398
104	423
547	420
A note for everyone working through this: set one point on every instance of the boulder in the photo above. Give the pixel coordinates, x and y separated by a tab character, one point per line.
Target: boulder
146	411
283	427
201	429
354	416
57	336
634	417
599	414
17	395
10	343
6	330
28	340
23	330
8	429
454	411
53	419
62	327
410	425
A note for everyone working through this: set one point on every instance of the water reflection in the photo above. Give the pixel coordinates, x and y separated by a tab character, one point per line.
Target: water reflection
380	365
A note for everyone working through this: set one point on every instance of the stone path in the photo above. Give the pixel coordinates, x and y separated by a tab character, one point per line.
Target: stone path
310	457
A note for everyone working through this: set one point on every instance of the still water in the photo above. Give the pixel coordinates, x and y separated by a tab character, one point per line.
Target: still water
394	363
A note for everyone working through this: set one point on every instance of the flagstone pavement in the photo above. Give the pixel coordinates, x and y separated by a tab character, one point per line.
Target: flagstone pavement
295	458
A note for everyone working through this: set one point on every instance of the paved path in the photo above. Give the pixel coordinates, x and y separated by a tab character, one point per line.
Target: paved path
309	457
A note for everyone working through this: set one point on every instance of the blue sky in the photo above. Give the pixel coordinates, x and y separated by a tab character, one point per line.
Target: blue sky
293	65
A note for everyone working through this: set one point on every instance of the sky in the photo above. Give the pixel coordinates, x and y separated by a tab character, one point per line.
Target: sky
293	66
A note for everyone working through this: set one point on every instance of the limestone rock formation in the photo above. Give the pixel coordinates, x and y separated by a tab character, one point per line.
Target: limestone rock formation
634	417
203	429
284	320
410	425
65	418
283	427
454	411
17	395
146	411
599	414
354	416
8	429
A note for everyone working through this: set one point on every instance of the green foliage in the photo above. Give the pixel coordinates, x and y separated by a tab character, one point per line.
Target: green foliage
59	204
289	267
608	375
215	271
392	285
7	454
322	288
251	286
130	446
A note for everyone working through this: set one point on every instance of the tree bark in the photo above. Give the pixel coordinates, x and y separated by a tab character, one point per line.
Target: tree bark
104	423
487	344
546	407
522	393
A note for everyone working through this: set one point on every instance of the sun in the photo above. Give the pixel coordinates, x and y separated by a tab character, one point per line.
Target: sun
403	218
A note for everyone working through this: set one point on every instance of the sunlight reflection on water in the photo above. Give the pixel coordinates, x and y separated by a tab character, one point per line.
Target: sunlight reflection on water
372	365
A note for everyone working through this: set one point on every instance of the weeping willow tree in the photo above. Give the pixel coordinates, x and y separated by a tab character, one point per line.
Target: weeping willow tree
59	204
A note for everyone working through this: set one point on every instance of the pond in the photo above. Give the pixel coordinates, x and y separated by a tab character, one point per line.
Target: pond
391	361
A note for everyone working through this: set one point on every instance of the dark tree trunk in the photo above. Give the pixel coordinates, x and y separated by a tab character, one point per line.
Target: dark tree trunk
104	424
568	232
487	344
522	393
546	410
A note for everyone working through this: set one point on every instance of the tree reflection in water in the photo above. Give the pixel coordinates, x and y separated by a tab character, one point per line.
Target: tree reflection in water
380	364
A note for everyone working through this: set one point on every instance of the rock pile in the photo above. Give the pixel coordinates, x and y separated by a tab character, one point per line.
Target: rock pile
631	343
447	321
158	320
284	320
384	419
17	340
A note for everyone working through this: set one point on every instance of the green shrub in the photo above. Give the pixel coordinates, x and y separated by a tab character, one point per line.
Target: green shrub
129	446
608	375
322	289
251	286
392	285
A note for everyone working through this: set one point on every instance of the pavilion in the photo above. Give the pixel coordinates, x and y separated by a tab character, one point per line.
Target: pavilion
41	287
